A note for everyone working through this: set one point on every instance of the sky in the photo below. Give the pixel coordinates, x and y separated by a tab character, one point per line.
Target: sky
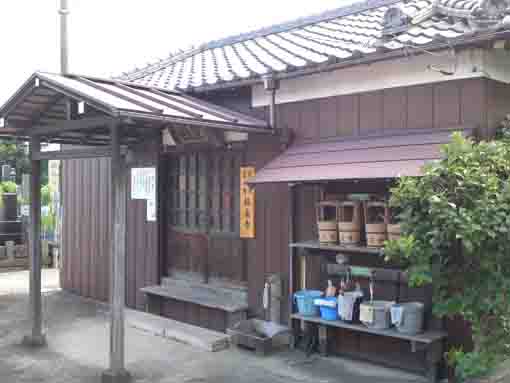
108	37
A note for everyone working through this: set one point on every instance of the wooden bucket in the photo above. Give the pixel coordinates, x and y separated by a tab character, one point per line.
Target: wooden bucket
376	222
327	219
349	224
393	231
376	234
327	232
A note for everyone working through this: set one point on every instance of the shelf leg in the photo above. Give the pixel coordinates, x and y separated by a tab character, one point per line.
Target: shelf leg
323	340
433	358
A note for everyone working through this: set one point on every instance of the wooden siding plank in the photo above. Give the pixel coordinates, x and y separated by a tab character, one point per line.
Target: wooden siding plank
446	104
131	251
370	112
473	104
420	106
328	121
293	119
141	252
395	108
348	115
93	229
309	120
87	229
108	213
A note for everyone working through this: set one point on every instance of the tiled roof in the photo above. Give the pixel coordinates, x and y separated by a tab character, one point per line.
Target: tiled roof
359	30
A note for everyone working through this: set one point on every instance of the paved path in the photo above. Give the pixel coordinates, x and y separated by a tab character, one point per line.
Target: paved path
77	334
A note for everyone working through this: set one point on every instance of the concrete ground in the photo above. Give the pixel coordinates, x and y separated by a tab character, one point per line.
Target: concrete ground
77	351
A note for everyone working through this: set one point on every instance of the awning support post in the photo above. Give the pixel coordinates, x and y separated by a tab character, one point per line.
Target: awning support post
36	338
117	372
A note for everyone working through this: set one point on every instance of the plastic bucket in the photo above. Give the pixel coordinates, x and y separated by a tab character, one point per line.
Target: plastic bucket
376	314
304	300
411	317
348	306
328	308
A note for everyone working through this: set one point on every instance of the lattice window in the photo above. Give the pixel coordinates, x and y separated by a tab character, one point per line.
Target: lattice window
205	186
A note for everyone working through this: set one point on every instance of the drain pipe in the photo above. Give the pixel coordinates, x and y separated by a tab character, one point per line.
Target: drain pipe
272	84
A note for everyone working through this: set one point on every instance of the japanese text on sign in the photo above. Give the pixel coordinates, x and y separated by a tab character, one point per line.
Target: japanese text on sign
247	212
143	186
143	183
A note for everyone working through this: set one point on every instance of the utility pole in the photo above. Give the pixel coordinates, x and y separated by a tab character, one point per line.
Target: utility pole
64	49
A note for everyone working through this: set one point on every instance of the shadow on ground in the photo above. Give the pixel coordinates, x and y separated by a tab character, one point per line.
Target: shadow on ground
77	351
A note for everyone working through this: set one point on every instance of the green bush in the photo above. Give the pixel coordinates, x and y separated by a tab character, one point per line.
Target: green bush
456	235
46	195
8	187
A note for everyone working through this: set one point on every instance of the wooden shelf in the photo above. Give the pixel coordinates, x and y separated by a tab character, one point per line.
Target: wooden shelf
427	337
312	245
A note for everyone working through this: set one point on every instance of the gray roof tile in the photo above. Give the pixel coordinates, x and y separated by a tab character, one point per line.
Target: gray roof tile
342	34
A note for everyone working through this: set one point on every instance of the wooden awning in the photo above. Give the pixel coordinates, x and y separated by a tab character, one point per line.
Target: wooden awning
373	157
40	107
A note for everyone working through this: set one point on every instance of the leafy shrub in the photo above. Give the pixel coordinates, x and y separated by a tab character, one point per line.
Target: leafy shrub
9	187
46	195
456	235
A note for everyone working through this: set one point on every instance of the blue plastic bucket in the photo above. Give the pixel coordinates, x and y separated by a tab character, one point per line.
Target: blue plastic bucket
304	300
329	313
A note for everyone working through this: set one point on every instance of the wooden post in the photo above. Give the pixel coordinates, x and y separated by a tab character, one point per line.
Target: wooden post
206	216
292	264
117	373
36	338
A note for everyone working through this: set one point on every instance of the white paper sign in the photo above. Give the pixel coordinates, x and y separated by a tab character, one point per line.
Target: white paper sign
151	210
143	183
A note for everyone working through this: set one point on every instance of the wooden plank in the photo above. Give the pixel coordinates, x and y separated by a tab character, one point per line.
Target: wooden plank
427	337
474	104
60	127
370	112
328	119
395	108
309	124
132	251
140	248
79	233
446	104
420	106
107	229
314	245
87	176
92	152
98	199
348	115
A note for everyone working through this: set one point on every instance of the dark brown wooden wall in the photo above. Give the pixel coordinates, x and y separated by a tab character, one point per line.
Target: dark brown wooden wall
440	105
87	233
86	230
477	102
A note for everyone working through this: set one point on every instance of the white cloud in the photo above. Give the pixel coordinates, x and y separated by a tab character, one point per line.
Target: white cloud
111	36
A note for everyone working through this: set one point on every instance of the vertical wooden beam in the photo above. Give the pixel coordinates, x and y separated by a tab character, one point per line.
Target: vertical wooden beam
36	338
292	262
207	217
117	372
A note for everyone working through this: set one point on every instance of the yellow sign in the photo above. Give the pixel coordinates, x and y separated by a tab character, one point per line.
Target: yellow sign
247	221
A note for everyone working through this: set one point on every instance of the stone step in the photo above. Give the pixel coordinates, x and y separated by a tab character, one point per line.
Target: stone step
199	337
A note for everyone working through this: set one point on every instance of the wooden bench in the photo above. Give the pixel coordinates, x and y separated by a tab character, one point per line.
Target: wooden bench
200	304
430	341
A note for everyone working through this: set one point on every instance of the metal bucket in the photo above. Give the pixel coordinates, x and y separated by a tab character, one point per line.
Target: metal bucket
376	314
410	319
